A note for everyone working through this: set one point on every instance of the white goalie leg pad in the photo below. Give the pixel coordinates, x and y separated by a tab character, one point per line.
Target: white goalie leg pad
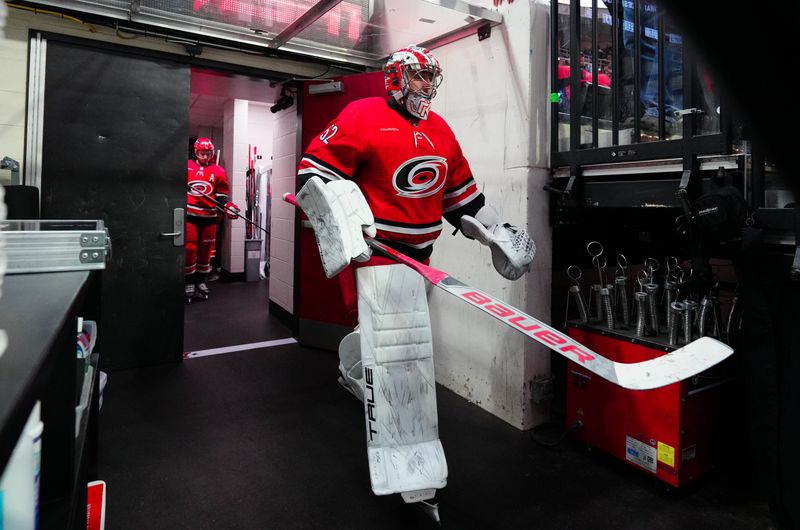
512	247
340	216
404	451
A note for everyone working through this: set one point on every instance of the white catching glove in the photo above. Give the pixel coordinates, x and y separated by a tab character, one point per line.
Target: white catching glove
340	217
512	247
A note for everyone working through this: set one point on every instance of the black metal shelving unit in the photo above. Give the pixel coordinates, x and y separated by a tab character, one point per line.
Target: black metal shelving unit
39	314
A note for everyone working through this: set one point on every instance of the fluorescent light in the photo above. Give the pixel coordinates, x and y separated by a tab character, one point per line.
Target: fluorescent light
324	88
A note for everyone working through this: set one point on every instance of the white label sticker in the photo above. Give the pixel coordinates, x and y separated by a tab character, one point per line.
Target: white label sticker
640	454
253	254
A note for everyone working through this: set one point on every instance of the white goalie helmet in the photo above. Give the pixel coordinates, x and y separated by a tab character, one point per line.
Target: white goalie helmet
405	65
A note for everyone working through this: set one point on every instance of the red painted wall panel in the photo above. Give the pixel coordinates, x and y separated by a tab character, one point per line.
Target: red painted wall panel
320	298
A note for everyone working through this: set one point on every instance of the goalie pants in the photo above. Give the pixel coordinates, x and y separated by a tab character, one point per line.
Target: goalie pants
201	236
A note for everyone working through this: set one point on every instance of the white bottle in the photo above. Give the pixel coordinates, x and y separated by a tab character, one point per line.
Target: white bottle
19	486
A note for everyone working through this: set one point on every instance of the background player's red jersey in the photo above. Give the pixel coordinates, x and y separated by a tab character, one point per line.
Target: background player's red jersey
211	180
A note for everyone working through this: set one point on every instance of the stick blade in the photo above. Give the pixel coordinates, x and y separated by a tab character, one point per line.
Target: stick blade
680	364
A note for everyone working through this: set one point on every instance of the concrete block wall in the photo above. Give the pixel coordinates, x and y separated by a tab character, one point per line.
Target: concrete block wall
501	123
13	94
284	171
236	126
261	123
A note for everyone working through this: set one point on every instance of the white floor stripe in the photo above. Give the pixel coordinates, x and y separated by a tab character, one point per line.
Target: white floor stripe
240	347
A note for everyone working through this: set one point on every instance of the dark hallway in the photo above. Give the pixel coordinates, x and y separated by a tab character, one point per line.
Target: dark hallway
266	438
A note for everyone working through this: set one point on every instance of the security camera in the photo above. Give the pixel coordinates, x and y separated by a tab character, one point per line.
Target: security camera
284	102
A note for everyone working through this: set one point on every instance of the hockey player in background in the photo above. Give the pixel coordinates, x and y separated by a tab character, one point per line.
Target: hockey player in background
207	183
391	170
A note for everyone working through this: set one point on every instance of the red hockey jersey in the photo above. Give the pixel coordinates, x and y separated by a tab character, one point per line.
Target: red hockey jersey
410	175
212	181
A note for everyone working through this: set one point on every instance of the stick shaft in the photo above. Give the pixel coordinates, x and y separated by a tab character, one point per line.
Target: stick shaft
226	209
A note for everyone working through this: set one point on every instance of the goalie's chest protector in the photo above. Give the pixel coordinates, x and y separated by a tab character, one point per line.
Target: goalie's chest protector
409	175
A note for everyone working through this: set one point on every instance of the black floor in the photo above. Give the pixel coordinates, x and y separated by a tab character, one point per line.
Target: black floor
266	439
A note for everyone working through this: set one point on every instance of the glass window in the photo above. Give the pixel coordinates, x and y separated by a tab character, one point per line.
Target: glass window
586	90
626	74
562	87
648	72
629	73
605	53
673	80
707	98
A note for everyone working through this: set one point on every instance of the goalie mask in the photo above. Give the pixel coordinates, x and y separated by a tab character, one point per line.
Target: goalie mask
204	151
412	76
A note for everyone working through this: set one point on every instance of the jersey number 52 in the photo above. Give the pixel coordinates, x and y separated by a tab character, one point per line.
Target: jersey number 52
329	133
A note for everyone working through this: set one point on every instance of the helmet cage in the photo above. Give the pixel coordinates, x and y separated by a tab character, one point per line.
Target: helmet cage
434	78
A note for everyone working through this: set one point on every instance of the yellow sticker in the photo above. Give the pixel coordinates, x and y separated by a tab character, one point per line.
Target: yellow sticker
666	454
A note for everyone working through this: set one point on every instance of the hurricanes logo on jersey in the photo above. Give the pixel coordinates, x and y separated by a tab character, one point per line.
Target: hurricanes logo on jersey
420	177
200	187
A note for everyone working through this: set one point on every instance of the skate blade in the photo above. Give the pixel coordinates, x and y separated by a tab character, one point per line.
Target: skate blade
429	509
424	500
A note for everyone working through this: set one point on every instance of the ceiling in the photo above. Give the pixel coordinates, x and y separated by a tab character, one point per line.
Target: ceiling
211	89
356	32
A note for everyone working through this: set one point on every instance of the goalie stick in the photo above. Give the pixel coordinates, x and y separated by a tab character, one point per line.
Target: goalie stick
669	368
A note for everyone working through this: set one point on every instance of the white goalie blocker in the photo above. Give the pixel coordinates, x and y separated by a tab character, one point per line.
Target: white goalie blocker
404	451
340	216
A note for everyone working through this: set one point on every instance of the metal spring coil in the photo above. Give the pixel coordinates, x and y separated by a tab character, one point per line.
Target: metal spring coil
652	293
676	309
669	297
605	295
598	303
621	283
688	320
641	302
577	295
709	310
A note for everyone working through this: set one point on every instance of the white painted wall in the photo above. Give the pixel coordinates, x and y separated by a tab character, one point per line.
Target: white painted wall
237	135
248	129
13	94
262	123
284	171
494	96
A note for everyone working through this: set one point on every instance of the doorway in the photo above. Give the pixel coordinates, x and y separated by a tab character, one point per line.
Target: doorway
233	111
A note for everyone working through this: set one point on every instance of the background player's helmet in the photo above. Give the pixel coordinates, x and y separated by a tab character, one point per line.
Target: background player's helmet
204	146
401	67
